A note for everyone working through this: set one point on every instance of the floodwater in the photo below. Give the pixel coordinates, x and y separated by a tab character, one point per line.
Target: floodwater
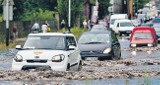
139	66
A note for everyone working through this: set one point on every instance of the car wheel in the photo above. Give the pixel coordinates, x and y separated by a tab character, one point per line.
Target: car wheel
79	66
120	34
113	57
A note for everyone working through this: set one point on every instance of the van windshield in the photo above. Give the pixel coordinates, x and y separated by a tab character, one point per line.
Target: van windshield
112	21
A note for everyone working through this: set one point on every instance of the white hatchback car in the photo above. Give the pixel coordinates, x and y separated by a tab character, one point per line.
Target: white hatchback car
59	51
123	27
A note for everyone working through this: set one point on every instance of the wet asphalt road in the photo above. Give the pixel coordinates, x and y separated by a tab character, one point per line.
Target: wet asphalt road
134	63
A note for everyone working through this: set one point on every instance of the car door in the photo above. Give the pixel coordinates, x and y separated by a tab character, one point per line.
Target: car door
73	57
115	45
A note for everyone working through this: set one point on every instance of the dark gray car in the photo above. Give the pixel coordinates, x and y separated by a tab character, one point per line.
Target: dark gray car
100	45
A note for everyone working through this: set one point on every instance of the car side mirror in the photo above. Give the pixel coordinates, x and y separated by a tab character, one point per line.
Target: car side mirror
19	47
71	47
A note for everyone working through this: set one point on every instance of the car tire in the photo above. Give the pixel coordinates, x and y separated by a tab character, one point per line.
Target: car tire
120	34
113	57
79	66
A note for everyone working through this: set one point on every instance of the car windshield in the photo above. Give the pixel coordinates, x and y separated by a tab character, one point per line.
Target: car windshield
126	24
45	42
112	21
92	38
142	35
98	27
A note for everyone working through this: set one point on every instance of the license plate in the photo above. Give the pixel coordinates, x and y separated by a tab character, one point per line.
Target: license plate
92	58
128	31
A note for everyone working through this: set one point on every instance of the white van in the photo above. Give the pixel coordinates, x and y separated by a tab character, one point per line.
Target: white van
117	17
123	26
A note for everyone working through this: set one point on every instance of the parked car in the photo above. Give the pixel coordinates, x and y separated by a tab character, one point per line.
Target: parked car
98	28
143	36
59	51
123	27
99	45
157	29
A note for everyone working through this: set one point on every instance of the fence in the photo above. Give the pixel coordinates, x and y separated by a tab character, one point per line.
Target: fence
24	27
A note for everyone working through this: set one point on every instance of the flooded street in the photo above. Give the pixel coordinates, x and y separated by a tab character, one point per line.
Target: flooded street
136	67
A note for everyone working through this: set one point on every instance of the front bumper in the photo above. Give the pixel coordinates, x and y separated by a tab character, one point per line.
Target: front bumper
125	32
56	66
100	55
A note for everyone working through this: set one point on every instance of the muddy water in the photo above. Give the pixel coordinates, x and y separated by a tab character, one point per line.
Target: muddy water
135	66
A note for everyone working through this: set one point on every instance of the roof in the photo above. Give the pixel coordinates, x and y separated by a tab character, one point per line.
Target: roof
123	20
144	27
51	34
98	32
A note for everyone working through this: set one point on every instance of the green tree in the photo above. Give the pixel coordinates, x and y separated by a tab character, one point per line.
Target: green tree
103	8
76	9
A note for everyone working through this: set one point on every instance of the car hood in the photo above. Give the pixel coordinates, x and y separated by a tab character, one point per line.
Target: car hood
126	28
40	54
93	47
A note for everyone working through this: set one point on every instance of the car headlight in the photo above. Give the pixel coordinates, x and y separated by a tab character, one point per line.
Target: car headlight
133	45
18	58
58	58
150	45
107	50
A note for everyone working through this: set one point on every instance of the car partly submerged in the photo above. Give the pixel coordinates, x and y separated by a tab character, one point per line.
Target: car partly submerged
58	51
143	36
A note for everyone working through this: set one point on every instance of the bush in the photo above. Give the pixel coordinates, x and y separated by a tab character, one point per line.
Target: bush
39	14
76	31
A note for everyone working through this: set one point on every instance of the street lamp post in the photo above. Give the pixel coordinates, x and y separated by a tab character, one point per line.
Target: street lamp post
69	16
7	15
137	6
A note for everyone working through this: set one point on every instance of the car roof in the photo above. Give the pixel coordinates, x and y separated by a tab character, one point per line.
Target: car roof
51	34
123	20
144	27
97	32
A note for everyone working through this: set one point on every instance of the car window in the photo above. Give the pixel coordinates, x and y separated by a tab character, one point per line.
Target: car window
70	41
45	42
117	24
126	24
142	35
98	28
91	38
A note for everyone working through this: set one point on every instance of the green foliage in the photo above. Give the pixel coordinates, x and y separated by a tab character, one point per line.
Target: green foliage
103	8
76	10
1	18
37	15
76	31
141	3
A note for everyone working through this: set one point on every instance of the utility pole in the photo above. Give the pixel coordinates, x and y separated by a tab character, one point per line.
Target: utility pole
137	7
69	16
7	15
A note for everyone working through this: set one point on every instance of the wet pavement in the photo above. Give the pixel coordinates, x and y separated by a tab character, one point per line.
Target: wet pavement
135	66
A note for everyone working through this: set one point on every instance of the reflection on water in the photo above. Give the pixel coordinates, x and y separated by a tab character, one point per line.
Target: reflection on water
149	52
134	53
135	81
